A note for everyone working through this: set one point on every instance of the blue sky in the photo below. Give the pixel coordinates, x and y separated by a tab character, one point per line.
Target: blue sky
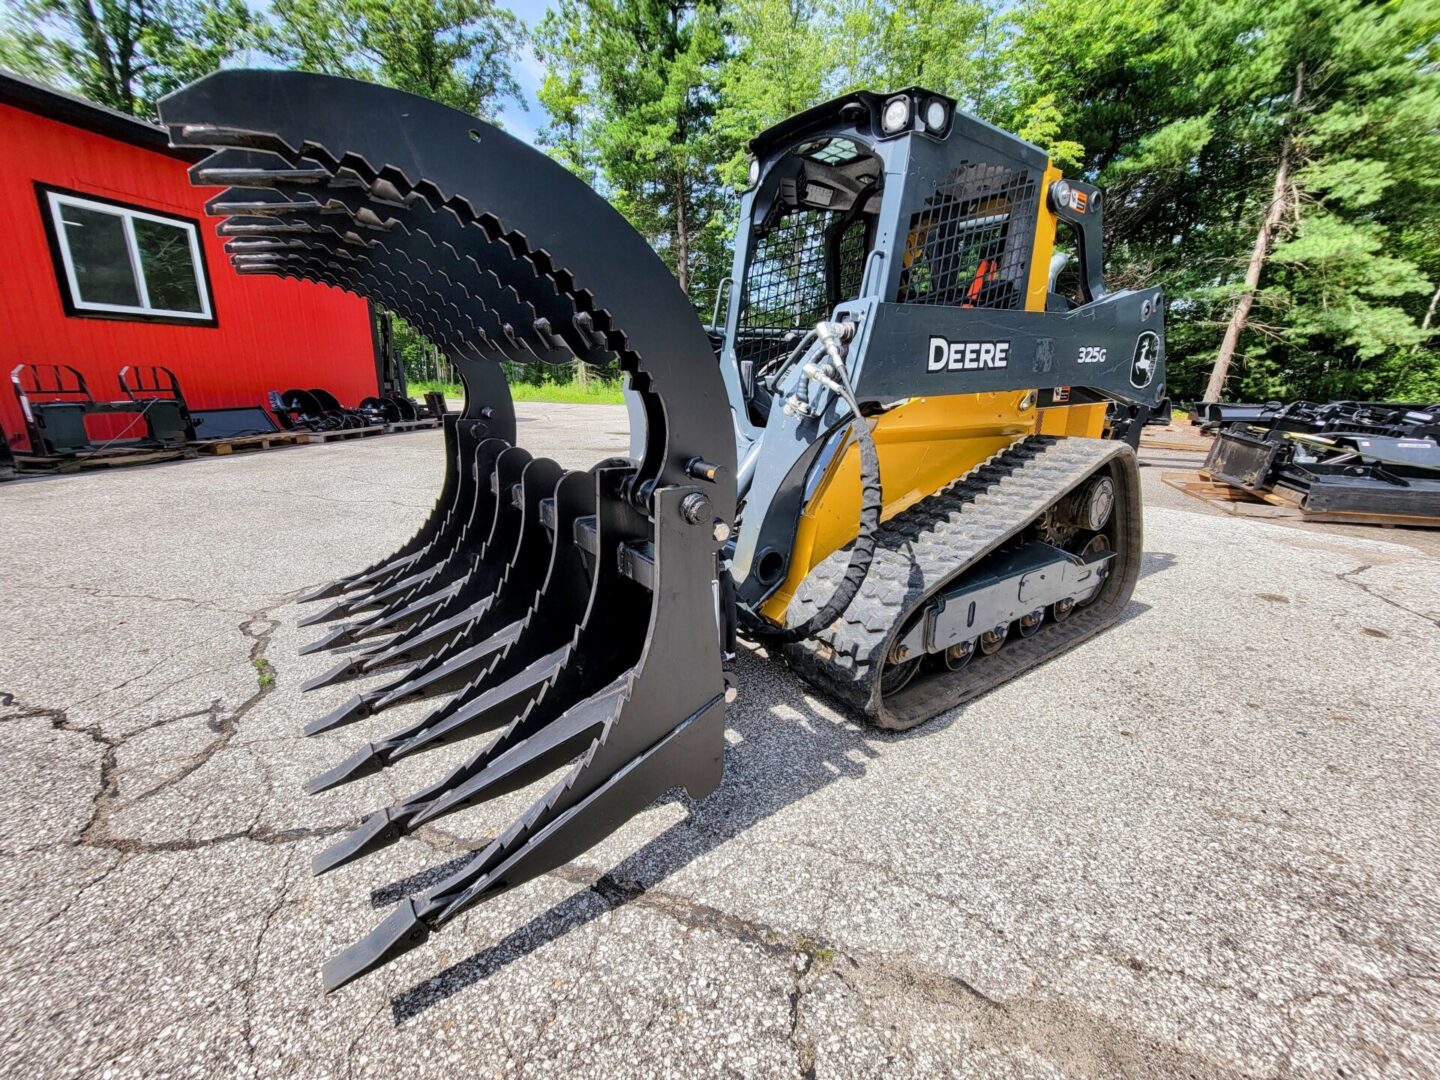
518	122
522	123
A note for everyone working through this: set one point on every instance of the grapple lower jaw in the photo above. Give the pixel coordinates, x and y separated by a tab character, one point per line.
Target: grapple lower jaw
572	613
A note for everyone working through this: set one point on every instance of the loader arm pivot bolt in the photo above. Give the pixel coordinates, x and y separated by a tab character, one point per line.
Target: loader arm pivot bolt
695	508
701	469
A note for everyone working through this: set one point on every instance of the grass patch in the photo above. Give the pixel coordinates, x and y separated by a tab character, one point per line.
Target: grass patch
818	953
593	392
264	673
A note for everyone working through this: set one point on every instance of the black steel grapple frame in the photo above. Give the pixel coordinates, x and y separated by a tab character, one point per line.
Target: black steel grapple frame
575	613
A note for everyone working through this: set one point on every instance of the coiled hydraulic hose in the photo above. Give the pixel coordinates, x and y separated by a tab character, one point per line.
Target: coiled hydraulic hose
862	552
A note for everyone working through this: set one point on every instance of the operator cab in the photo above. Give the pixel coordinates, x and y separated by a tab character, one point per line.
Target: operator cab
838	191
811	228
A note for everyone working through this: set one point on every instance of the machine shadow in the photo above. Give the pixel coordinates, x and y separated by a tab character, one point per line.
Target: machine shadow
1155	562
774	758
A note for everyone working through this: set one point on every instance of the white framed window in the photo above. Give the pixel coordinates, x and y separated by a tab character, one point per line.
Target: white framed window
119	261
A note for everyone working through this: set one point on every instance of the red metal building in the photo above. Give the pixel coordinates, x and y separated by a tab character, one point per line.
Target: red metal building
109	259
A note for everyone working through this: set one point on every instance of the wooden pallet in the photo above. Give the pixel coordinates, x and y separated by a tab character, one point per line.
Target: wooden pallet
1174	444
104	459
341	433
1281	503
1222	496
412	425
241	443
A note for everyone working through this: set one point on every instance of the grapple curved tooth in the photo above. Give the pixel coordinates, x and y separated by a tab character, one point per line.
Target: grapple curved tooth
609	635
347	712
432	263
467	449
482	608
391	265
337	610
375	832
518	526
427	239
474	514
575	594
522	763
363	761
511	763
452	670
341	672
362	578
531	279
663	734
425	638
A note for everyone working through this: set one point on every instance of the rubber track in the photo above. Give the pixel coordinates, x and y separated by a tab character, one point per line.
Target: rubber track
926	546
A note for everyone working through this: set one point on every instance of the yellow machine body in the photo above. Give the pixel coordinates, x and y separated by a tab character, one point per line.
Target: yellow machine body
927	443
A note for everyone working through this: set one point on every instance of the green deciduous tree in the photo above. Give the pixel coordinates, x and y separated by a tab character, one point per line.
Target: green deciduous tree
783	60
1303	223
955	47
122	53
635	96
460	52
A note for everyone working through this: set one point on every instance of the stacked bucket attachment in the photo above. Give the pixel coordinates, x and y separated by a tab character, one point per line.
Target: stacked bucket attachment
545	618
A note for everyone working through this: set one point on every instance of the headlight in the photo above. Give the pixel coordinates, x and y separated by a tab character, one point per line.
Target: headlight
935	116
754	171
896	117
1060	195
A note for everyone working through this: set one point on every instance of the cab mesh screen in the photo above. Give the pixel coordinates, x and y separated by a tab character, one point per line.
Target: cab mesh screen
793	282
970	246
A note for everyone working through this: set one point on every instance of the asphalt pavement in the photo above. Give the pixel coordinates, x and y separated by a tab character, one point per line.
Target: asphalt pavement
1202	844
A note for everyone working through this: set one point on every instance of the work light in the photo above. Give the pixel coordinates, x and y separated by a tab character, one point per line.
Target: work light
1060	194
935	116
896	117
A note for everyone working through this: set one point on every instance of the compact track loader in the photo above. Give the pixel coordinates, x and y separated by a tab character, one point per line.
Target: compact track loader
887	465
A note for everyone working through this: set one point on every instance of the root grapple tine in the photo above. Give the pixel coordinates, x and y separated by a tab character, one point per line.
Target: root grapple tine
522	763
350	711
469	652
442	579
571	595
667	731
341	672
493	709
421	641
337	638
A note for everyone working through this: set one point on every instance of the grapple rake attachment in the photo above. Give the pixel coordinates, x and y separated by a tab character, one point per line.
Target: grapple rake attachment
570	615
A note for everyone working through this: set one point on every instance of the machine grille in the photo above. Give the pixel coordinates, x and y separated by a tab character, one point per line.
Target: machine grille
970	245
789	286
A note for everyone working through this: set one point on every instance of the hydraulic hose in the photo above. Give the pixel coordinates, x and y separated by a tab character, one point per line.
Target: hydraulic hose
862	551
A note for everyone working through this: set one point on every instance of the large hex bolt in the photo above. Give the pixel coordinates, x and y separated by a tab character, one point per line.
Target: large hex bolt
695	508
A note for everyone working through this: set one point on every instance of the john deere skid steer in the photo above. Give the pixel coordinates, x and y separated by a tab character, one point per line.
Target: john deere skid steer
887	466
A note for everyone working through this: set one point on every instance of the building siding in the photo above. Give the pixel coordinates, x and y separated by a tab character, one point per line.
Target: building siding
270	334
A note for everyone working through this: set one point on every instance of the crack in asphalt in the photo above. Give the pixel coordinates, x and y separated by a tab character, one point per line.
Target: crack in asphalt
1350	578
97	594
247	1011
258	627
